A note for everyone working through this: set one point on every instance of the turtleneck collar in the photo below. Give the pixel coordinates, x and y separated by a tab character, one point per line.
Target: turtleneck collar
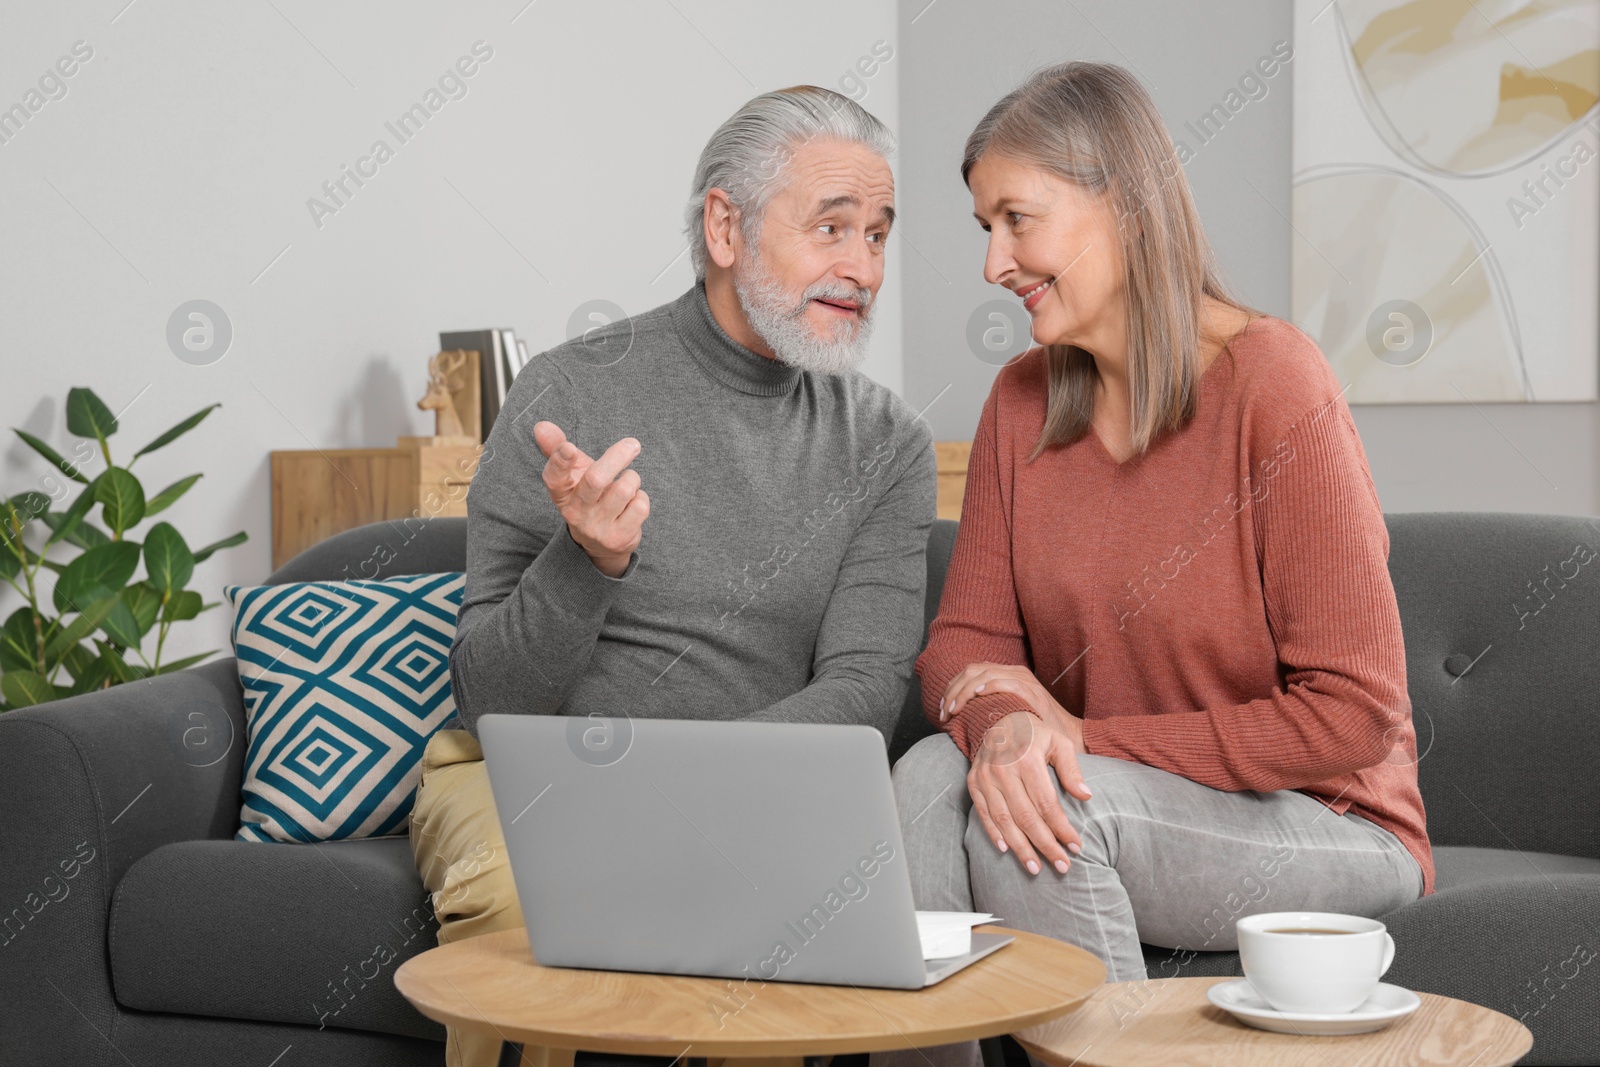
721	356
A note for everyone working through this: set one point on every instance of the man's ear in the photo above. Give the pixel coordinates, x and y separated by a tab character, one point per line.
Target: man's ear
721	228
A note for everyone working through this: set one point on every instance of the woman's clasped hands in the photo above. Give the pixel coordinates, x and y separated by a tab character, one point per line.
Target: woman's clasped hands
1011	787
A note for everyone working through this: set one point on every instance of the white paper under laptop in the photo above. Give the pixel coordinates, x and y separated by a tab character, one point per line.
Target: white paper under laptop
762	851
948	933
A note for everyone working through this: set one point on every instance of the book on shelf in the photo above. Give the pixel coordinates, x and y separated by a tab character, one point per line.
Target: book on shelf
487	343
501	355
508	347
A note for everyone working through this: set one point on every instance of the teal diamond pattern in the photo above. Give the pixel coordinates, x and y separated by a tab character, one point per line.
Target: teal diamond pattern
344	682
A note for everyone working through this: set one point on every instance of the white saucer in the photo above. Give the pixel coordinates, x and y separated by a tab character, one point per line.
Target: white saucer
1387	1003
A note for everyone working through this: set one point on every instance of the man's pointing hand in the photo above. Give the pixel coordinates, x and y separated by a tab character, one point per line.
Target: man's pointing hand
599	498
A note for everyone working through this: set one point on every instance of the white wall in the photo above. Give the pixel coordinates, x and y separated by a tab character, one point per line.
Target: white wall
179	163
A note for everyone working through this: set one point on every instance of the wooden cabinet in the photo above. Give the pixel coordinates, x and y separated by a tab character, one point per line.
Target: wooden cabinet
951	459
320	492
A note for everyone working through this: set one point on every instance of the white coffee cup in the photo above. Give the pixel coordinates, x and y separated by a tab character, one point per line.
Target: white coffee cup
1309	971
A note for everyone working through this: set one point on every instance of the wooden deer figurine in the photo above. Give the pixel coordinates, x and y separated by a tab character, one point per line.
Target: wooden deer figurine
453	394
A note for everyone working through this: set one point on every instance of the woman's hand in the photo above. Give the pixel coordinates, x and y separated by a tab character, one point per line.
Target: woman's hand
1014	795
979	678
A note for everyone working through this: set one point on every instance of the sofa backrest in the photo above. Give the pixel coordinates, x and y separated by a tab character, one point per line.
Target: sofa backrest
912	725
381	550
1501	616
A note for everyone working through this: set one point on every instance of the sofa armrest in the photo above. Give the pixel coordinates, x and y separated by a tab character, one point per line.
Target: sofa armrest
89	785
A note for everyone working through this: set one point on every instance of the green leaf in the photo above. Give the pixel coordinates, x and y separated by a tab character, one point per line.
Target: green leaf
167	559
121	626
69	469
165	499
17	513
121	669
82	625
72	521
176	432
181	664
98	679
18	641
181	606
29	505
88	416
23	688
144	601
99	572
94	676
11	543
121	498
80	532
78	661
227	542
18	549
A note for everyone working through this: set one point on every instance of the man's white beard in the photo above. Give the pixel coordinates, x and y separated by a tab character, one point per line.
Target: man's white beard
773	315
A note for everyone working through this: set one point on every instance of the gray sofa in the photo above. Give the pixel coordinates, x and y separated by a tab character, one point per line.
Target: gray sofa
136	931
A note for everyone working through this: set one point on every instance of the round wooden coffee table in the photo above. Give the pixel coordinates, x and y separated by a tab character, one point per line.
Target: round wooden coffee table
491	983
1129	1023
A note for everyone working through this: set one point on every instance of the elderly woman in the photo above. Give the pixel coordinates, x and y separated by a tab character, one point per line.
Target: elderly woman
1169	587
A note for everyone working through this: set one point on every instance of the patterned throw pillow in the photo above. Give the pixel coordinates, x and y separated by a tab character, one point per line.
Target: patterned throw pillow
344	682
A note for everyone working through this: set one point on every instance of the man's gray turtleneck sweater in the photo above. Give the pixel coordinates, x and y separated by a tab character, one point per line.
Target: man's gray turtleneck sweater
780	574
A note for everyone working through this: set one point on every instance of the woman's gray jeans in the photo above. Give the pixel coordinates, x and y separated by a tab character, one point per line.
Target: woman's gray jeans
1166	862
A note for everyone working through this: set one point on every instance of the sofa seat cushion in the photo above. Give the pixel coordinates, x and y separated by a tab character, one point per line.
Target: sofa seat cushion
1185	963
1457	866
1462	870
1514	932
306	934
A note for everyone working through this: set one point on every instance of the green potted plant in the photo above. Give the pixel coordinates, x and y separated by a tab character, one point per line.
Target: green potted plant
88	630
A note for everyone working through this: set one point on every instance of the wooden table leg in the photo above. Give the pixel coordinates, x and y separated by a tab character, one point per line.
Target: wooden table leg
534	1056
540	1056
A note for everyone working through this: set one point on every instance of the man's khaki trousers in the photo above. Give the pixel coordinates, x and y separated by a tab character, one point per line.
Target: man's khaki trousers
461	855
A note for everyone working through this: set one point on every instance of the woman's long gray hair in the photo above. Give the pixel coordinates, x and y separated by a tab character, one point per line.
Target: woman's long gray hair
1093	124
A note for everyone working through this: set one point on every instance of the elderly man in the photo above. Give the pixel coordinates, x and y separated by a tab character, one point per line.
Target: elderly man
731	520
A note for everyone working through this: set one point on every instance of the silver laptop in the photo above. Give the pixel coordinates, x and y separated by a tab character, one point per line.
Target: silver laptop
763	851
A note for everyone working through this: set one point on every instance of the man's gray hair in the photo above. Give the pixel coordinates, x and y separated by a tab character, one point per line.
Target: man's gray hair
746	157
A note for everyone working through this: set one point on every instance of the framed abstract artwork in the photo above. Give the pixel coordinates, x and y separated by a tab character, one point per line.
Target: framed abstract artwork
1446	197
